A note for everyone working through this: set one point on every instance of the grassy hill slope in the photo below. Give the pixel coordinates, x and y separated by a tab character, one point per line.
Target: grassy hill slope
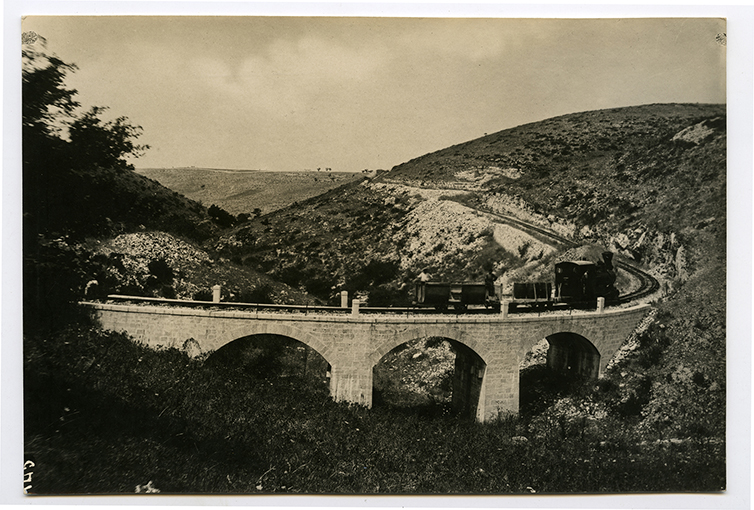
660	164
93	201
647	182
243	191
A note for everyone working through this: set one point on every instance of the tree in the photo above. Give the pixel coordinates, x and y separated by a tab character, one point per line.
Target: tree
53	131
220	216
103	144
46	104
59	143
45	101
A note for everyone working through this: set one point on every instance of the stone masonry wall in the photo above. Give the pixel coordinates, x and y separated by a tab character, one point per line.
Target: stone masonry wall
354	344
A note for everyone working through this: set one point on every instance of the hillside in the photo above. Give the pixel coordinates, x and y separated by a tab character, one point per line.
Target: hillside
646	182
244	191
605	168
95	201
130	235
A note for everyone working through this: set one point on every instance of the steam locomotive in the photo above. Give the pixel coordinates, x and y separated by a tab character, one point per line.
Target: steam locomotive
578	284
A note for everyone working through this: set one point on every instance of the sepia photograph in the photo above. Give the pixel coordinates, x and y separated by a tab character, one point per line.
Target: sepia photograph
374	255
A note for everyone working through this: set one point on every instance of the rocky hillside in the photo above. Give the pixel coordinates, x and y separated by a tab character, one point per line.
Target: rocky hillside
642	180
646	182
160	264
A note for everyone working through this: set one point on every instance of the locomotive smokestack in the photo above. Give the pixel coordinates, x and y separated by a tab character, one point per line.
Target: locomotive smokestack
608	258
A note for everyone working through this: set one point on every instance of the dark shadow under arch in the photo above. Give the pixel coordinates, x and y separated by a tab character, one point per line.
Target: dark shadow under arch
270	356
573	355
556	366
429	374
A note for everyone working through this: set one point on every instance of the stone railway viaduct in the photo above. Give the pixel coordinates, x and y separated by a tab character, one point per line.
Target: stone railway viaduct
488	347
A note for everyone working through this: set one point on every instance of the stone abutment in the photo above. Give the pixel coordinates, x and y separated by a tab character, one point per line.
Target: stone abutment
489	347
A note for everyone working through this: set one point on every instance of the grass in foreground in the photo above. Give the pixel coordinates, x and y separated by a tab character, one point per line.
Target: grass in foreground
104	415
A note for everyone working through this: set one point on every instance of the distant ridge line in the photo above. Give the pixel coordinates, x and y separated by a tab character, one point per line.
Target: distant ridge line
237	170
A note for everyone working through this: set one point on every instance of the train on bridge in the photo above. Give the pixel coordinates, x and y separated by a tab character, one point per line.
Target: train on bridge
577	284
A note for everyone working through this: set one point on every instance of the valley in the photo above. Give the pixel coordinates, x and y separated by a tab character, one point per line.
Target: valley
245	191
646	183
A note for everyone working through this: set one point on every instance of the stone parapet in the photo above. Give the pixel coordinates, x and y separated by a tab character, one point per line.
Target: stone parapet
353	343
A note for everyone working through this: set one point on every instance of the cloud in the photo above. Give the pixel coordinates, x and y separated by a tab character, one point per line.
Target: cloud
289	75
471	39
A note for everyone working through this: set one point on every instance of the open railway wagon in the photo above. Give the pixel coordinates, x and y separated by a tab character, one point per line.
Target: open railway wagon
460	296
534	296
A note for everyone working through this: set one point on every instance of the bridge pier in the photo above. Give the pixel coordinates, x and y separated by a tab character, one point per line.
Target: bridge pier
353	384
468	378
490	346
499	390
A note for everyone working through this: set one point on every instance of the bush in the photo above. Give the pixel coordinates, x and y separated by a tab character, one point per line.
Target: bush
652	344
55	277
374	273
203	295
260	294
291	275
388	296
220	216
168	292
161	271
321	287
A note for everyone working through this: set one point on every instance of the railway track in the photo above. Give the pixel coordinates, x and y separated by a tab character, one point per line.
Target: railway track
648	284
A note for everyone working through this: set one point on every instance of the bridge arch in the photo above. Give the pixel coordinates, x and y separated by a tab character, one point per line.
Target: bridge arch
405	335
571	339
272	354
469	366
313	341
573	354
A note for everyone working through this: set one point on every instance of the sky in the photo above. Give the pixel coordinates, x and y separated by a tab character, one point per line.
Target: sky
295	93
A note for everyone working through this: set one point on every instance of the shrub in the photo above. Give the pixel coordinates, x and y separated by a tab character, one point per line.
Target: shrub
290	275
387	296
220	216
320	286
55	276
374	273
652	344
260	294
161	271
203	295
631	402
168	292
